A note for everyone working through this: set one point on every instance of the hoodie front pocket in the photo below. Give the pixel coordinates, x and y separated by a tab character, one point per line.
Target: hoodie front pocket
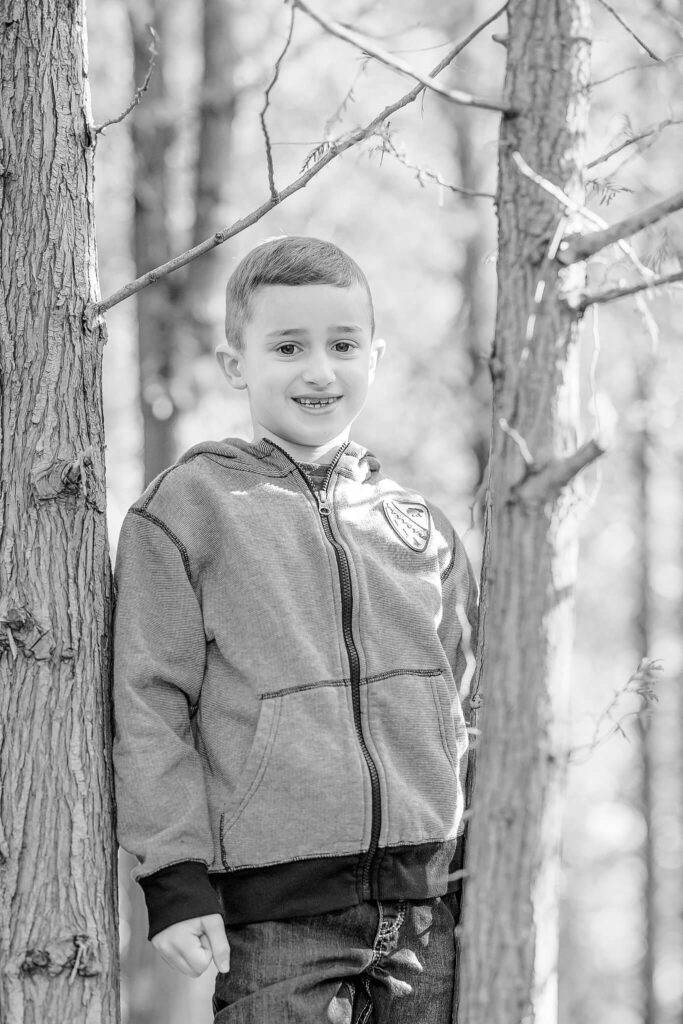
302	792
418	734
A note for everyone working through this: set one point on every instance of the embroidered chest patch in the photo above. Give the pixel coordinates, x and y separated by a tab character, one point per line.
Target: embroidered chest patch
410	521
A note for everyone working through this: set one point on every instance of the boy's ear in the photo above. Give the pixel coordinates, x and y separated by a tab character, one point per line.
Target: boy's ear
376	352
231	364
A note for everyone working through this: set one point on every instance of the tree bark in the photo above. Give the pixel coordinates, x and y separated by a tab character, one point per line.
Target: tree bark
508	938
58	943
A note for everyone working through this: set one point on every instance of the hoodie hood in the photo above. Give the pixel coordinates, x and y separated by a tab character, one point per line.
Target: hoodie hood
267	457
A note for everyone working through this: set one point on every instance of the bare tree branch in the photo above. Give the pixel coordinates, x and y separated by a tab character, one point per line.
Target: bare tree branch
571	204
542	482
630	31
335	148
582	300
423	173
579	247
633	140
276	73
363	44
153	54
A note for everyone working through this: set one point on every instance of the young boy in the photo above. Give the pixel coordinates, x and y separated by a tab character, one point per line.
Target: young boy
288	649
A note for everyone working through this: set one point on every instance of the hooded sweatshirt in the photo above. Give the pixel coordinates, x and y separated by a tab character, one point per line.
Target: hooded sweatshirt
289	736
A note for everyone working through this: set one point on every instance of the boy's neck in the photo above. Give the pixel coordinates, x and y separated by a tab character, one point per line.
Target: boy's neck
309	454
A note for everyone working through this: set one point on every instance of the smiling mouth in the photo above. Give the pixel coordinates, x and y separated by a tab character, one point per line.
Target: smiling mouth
317	403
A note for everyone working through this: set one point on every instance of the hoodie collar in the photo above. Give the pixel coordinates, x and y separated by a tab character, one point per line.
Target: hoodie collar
263	456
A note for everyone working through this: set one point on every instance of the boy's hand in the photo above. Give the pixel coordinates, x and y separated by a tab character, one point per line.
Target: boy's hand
190	946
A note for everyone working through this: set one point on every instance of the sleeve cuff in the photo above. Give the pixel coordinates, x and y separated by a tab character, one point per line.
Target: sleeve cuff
178	893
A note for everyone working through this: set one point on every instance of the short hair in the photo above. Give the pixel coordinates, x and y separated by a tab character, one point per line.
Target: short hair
290	260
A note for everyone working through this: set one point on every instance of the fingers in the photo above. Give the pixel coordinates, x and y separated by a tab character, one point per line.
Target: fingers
214	931
188	963
180	946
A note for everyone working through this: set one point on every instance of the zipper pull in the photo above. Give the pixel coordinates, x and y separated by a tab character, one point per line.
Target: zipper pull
323	508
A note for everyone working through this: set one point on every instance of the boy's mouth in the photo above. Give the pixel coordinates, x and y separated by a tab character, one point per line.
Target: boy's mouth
317	403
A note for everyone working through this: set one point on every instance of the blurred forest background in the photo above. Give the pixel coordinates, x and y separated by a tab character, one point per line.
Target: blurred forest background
190	159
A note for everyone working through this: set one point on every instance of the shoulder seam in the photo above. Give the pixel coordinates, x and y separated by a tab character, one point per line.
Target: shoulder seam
182	550
159	481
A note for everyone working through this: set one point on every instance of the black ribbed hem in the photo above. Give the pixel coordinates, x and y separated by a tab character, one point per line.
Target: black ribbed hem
178	893
305	888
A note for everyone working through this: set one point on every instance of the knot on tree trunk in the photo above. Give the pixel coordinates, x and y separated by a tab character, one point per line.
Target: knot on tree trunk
75	953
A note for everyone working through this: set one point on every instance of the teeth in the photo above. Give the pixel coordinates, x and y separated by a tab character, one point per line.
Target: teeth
316	403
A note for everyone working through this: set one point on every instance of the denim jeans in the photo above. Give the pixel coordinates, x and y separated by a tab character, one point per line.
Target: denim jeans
376	963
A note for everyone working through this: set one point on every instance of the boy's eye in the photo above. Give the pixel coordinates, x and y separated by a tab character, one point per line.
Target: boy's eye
287	349
343	346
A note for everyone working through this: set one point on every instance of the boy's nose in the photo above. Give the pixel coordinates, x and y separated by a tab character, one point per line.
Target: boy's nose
319	371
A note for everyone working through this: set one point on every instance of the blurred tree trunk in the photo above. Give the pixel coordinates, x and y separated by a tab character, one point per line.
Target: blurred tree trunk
509	929
204	286
472	318
153	129
180	319
58	940
643	629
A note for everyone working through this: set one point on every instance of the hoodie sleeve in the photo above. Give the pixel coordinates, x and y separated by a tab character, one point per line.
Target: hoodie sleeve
458	633
458	628
159	658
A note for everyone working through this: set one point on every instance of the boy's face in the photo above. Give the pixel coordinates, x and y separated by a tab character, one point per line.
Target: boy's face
307	362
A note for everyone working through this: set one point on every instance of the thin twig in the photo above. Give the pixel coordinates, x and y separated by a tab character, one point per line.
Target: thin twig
153	54
642	683
630	31
633	140
336	117
276	73
635	67
335	148
582	300
362	43
423	173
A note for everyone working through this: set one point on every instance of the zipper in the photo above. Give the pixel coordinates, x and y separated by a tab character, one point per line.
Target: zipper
325	510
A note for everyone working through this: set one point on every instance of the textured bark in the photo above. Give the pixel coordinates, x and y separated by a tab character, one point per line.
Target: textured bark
509	927
58	945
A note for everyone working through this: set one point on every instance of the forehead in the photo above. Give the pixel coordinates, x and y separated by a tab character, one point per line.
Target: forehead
277	307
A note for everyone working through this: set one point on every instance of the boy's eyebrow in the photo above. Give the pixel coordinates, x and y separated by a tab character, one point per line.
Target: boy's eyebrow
346	328
286	330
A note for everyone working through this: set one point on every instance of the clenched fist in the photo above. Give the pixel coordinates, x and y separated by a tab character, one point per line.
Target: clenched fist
190	946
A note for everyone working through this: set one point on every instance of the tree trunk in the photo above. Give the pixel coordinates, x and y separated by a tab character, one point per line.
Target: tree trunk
508	940
58	944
